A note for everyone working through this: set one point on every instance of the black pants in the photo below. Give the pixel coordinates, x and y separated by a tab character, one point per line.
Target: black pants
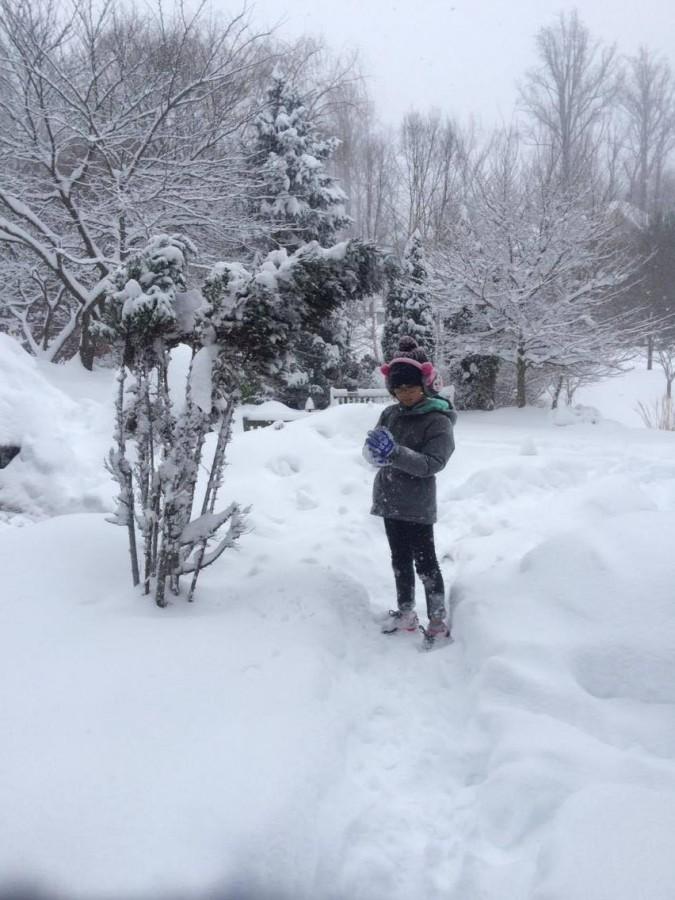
412	543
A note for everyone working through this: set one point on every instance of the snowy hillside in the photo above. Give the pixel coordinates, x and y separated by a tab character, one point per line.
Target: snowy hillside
268	742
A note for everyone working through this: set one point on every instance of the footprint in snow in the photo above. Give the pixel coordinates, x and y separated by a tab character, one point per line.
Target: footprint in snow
284	466
304	500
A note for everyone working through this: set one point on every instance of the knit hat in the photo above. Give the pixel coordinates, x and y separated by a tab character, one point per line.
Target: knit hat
409	366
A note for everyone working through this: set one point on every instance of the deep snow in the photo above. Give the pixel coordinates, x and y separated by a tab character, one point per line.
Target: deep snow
266	741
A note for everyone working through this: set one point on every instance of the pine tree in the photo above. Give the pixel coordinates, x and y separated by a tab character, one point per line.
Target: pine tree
297	199
300	203
407	306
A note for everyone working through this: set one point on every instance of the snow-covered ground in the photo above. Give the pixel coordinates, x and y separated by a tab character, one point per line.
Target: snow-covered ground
267	742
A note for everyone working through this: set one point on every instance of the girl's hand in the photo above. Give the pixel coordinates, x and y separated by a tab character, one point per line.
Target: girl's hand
381	444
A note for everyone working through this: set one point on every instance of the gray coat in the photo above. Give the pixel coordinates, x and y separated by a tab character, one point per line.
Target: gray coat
406	488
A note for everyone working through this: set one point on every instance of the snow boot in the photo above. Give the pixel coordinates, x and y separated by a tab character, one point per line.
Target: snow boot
399	620
435	634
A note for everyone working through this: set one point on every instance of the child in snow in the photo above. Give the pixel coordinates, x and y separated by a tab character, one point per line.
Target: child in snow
410	443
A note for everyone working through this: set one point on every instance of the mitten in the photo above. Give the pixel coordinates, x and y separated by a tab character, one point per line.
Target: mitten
373	459
381	444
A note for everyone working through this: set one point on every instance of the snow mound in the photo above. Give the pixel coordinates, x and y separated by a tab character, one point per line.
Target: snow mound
643	674
576	415
29	404
63	441
610	842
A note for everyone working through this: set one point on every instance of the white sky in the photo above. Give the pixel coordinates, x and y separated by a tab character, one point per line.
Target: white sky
463	56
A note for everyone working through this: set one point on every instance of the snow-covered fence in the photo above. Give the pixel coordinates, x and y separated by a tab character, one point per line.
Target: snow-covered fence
250	423
272	412
338	396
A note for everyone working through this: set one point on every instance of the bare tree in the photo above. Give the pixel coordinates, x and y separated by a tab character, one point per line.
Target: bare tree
116	125
648	100
569	93
533	266
431	161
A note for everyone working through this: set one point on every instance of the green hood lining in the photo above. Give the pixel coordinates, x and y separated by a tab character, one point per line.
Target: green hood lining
431	404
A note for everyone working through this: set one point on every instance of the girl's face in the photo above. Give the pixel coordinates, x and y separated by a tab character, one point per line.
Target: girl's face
409	394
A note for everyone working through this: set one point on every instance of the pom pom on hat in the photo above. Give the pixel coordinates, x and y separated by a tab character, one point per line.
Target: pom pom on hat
406	345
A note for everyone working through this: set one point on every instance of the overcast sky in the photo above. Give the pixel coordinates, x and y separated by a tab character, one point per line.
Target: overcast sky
463	56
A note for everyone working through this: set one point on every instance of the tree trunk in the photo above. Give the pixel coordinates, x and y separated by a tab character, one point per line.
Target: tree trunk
521	366
87	342
163	568
650	353
557	391
126	473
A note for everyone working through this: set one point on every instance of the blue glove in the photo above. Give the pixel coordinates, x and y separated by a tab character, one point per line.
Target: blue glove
381	444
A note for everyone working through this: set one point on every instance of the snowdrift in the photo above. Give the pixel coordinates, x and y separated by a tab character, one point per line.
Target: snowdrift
267	742
61	423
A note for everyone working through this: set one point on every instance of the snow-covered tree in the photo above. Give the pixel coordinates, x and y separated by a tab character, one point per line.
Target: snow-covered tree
239	327
258	311
115	125
148	314
535	265
407	304
301	203
36	307
473	374
297	199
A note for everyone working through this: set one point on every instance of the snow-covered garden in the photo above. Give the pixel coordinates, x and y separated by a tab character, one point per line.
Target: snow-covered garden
208	239
267	741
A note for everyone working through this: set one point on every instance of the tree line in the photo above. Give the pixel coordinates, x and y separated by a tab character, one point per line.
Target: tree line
168	180
546	245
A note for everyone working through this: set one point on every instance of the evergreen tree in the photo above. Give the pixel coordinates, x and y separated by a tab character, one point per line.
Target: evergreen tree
146	312
300	203
241	328
407	307
256	314
474	375
297	199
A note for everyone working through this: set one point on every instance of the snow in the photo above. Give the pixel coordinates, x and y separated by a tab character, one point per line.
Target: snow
186	304
618	398
267	741
269	411
201	384
59	416
337	252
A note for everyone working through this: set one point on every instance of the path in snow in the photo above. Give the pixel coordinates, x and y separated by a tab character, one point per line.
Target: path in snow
458	765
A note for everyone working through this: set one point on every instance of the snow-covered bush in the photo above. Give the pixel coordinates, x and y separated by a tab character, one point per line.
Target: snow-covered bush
239	328
157	481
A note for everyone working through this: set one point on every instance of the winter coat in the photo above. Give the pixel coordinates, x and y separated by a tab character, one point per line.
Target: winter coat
406	487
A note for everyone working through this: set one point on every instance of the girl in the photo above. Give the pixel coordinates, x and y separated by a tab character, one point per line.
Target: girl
410	443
